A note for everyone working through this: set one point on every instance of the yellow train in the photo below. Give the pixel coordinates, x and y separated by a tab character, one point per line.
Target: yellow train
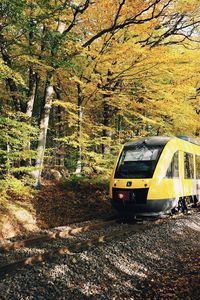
156	175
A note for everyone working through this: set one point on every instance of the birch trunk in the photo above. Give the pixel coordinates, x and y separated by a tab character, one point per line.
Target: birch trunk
33	84
44	122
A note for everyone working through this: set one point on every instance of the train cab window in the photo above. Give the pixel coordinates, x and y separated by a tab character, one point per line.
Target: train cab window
198	166
188	165
173	170
138	161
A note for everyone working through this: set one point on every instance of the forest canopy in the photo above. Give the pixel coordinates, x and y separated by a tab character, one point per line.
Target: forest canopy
79	78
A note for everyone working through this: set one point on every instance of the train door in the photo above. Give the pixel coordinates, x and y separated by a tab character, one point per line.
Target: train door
179	179
189	182
174	177
180	176
197	164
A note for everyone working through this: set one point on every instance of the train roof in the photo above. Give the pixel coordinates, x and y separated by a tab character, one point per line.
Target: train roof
188	139
150	141
159	141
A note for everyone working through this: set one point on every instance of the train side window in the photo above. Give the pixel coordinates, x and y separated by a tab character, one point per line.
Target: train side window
188	165
198	166
173	170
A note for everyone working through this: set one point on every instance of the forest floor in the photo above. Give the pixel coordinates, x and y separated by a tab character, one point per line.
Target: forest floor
55	204
158	263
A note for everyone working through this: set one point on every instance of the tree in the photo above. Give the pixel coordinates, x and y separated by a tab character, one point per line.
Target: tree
92	74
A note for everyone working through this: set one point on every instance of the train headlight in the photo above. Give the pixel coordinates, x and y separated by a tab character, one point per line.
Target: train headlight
121	196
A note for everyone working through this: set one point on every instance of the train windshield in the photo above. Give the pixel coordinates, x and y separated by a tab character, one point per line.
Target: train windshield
138	161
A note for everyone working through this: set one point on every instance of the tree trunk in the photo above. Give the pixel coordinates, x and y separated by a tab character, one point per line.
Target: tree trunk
60	160
44	122
119	128
79	130
106	133
61	146
33	76
33	85
11	83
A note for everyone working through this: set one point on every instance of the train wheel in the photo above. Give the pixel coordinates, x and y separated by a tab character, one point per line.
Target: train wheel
195	204
174	211
182	205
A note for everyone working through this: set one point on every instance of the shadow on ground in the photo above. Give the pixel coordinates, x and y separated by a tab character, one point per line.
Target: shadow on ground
62	204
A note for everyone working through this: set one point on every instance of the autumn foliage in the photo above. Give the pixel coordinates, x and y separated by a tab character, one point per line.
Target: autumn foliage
79	78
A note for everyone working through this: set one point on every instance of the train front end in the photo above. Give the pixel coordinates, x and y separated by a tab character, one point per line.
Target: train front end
132	177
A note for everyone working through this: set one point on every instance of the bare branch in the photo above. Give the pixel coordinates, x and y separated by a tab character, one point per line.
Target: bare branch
77	10
118	12
178	31
130	21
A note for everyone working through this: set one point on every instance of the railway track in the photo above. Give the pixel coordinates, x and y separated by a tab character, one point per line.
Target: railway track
100	238
7	245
